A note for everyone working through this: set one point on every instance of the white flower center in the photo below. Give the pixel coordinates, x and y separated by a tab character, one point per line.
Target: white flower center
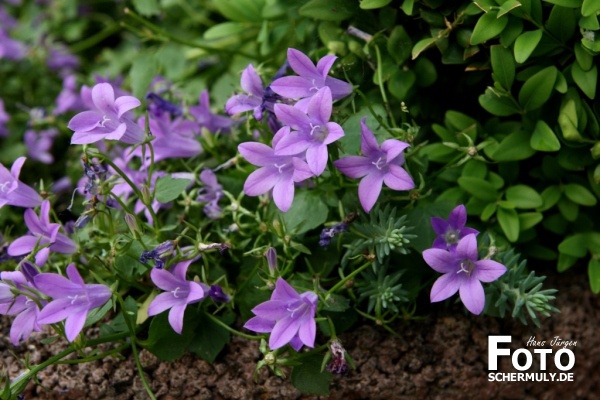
379	164
451	237
73	298
5	186
175	292
279	167
314	86
466	266
318	132
105	119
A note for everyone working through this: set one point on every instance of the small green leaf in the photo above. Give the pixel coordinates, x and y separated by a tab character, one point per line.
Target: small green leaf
147	8
168	189
589	8
402	84
328	10
509	222
211	338
538	89
565	262
399	45
421	46
143	70
574	246
586	80
594	275
529	220
566	3
562	23
498	104
568	209
550	197
305	204
487	27
525	44
503	66
584	58
523	196
241	10
508	6
408	6
479	188
543	138
372	4
579	195
308	378
514	147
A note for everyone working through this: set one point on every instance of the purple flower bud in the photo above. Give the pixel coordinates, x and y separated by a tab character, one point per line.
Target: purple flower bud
272	260
217	294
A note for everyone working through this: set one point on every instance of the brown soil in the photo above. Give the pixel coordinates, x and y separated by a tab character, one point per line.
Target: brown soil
441	357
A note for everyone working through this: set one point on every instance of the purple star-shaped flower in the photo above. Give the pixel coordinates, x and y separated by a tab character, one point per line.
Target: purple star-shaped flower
108	120
179	292
376	167
210	193
26	310
14	192
41	233
451	231
253	100
311	131
277	172
40	143
463	272
288	316
69	98
311	78
214	123
72	299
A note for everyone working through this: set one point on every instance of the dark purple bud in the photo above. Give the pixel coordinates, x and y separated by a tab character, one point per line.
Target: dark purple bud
29	270
157	105
272	260
328	233
217	294
338	364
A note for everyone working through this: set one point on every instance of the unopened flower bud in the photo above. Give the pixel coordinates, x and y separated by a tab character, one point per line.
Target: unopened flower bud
272	260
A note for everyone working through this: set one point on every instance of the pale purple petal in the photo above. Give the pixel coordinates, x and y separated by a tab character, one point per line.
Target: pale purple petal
162	302
488	270
398	179
472	295
354	166
22	245
126	103
458	217
260	325
42	256
301	64
176	317
24	196
85	121
256	153
325	64
339	88
291	144
283	331
118	133
55	311
467	248
320	106
272	309
440	226
164	279
369	189
292	117
393	148
241	103
445	286
15	169
63	244
82	137
335	132
368	144
180	269
308	331
74	275
261	181
23	325
441	261
74	324
55	286
292	87
316	158
196	292
284	291
251	82
301	170
103	96
283	193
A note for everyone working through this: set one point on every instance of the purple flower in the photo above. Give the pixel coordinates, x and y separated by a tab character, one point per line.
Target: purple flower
311	78
277	172
214	123
451	231
217	294
179	292
72	299
4	118
329	233
173	138
41	233
69	98
376	167
271	256
108	120
289	316
59	58
463	272
39	144
9	48
14	192
210	194
158	254
157	106
25	309
312	131
253	100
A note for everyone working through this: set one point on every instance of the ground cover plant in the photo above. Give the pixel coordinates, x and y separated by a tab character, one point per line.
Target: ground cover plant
177	173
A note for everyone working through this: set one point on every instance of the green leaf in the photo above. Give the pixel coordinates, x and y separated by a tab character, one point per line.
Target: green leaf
241	10
211	337
579	195
498	104
479	188
509	222
508	6
168	189
143	70
147	8
550	196
487	27
543	138
308	378
574	246
503	66
523	196
402	84
408	6
372	4
426	72
421	46
329	10
594	275
562	23
537	89
565	262
584	58
96	314
566	3
586	80
167	344
529	220
568	209
514	147
526	43
399	45
305	204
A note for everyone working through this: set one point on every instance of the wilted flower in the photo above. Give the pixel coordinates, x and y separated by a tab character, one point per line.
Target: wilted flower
463	272
329	233
14	192
451	231
288	316
158	254
108	120
376	167
179	292
72	299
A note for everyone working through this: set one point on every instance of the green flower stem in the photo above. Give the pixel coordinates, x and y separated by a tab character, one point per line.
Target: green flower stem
386	103
346	278
230	329
372	111
95	39
162	32
97	356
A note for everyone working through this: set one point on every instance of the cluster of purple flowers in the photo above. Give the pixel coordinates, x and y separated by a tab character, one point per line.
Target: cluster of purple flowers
454	254
25	294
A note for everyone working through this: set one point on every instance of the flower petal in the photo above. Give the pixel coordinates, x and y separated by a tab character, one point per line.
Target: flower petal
74	324
55	311
103	96
292	117
368	144
393	148
308	331
261	181
292	87
85	121
301	64
472	295
458	217
284	291
467	248
369	189
251	82
126	103
316	158
283	192
488	270
325	64
320	106
162	302
271	310
165	280
398	179
260	325
442	261
339	88
354	166
283	331
256	153
176	317
22	245
439	225
444	287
